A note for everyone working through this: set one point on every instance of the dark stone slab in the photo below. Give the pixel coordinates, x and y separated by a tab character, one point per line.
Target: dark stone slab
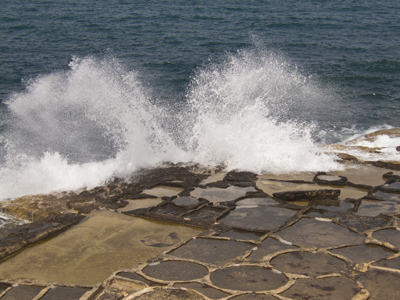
169	209
363	253
307	195
308	263
175	271
217	252
392	175
65	293
389	263
373	208
269	246
381	284
327	288
22	292
261	218
390	236
387	196
364	223
385	165
235	176
204	289
247	278
393	187
313	233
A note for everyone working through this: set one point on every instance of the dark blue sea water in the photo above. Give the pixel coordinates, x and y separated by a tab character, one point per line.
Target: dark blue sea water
93	89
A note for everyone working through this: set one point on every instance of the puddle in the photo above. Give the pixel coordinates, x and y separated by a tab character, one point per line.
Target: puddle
254	202
269	246
300	202
217	252
332	205
329	177
313	233
163	191
111	238
363	174
349	192
175	271
184	201
247	278
221	195
308	263
327	288
262	218
381	284
141	203
364	253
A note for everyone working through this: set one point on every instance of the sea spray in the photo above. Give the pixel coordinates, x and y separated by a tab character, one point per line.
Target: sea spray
252	112
79	128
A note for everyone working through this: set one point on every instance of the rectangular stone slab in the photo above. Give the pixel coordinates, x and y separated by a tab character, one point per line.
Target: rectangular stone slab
89	252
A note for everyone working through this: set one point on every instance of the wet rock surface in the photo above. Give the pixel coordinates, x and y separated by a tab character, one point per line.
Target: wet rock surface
231	235
326	288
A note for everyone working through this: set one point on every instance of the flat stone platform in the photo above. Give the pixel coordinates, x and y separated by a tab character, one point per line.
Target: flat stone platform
192	233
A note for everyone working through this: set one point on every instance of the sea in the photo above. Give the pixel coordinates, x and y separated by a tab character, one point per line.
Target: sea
93	90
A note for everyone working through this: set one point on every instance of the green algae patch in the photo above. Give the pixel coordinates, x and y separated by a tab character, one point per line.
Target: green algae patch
89	252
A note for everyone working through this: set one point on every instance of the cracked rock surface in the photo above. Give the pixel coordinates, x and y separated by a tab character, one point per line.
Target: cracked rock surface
193	233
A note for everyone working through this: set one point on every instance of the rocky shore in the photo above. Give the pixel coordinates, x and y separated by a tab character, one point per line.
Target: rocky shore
186	232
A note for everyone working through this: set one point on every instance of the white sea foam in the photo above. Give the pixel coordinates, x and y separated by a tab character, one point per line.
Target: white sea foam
82	127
